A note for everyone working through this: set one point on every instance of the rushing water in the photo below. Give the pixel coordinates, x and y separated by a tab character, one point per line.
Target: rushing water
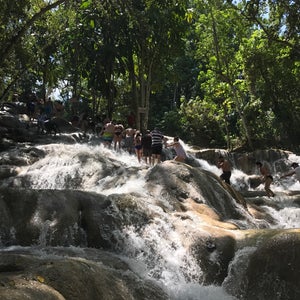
286	214
156	251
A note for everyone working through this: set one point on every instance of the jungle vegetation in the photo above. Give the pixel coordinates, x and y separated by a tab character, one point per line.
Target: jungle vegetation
216	73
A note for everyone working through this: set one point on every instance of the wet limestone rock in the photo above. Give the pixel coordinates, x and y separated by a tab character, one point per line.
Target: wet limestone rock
38	276
178	182
272	269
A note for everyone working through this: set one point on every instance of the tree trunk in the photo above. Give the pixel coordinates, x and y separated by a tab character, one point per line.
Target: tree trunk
134	91
11	85
223	67
145	84
241	115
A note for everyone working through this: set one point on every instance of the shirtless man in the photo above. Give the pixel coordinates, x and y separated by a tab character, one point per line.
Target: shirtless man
266	178
226	168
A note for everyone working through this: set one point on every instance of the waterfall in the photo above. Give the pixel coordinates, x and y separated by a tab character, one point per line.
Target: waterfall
155	249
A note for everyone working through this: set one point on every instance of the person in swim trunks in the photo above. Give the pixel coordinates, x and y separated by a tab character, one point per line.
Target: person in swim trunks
129	140
226	168
108	133
267	178
156	146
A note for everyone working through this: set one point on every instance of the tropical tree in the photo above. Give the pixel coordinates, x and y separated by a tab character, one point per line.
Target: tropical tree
17	19
248	55
271	65
157	29
219	31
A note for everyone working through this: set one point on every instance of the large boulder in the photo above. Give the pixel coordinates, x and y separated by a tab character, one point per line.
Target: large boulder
56	217
61	275
271	269
178	182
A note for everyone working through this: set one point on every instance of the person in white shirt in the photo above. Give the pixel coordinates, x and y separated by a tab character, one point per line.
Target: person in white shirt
296	171
180	152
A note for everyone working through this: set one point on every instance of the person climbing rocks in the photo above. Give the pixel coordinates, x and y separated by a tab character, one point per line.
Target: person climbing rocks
225	165
180	152
295	171
266	178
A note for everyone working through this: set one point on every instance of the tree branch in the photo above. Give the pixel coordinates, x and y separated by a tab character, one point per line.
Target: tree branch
271	36
15	39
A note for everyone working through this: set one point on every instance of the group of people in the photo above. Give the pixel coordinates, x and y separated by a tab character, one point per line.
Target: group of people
266	176
147	146
48	108
43	111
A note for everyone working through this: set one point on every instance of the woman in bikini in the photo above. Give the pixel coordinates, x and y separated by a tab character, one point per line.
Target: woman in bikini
138	145
118	136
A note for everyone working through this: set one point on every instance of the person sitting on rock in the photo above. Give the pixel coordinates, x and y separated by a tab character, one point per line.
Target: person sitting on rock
180	152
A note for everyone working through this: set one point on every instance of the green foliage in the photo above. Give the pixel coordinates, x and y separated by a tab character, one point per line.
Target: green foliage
271	73
201	125
218	73
171	124
242	83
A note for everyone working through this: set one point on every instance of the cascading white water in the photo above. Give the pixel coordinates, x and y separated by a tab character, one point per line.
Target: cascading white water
156	251
79	167
288	216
